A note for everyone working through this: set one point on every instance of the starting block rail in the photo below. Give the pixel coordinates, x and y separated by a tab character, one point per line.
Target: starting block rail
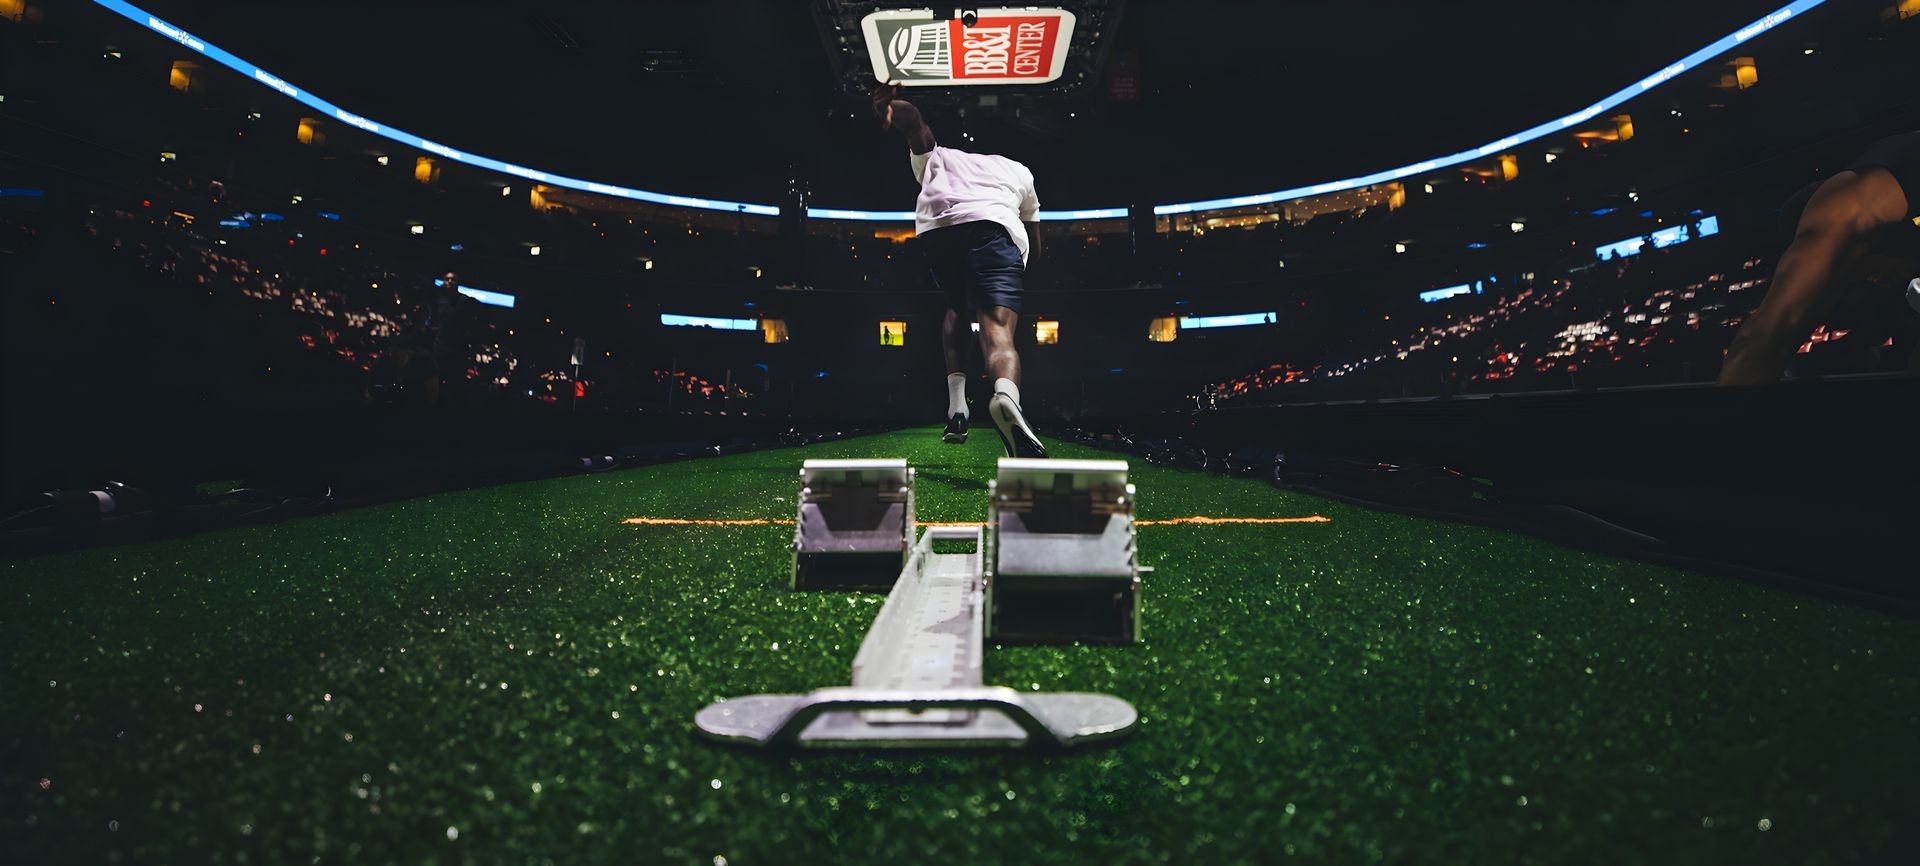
917	678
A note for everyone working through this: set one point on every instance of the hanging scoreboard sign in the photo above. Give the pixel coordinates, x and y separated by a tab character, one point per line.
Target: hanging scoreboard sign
919	48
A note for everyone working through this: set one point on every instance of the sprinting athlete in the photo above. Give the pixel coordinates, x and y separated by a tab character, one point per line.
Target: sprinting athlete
976	218
1857	225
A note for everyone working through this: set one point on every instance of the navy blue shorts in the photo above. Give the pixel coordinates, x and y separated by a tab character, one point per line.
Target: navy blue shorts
1900	156
977	265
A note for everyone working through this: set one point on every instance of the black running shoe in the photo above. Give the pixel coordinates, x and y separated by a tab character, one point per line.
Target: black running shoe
1013	429
956	429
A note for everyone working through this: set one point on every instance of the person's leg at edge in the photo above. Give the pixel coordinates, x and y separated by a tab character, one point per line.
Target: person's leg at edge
1826	244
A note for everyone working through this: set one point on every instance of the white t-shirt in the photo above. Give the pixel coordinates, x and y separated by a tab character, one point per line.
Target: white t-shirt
960	187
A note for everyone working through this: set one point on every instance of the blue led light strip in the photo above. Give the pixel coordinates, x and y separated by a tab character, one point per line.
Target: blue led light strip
225	58
709	322
1238	321
1691	61
1670	236
498	299
906	216
221	56
1432	295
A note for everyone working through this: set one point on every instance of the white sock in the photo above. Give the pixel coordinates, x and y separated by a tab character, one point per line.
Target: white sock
1006	386
956	394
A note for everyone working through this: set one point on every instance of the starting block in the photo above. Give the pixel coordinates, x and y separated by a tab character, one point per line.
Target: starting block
1062	563
917	679
855	527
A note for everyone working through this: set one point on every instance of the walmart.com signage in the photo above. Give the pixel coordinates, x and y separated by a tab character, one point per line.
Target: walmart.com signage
1004	46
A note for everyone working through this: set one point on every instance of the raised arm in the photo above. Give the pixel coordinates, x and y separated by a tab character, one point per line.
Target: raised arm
900	114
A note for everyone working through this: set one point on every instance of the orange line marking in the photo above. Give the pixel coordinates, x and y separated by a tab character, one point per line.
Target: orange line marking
681	521
1170	521
1175	521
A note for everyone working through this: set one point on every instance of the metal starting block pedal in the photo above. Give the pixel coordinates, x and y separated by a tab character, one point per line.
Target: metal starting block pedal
917	679
1061	559
855	527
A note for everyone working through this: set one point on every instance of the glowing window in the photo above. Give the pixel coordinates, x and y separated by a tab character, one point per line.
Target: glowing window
893	333
181	76
1165	329
309	132
774	330
1046	332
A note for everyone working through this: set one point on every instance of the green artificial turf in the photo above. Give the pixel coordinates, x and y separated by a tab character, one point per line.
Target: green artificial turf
510	675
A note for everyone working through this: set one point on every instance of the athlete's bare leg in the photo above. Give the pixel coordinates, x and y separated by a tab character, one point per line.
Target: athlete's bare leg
951	346
1827	248
996	343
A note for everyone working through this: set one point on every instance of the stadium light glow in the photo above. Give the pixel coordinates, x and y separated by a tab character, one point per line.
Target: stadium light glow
223	57
1662	76
709	322
1234	321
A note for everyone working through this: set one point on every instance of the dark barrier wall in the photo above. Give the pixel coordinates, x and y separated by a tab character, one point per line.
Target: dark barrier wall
1809	480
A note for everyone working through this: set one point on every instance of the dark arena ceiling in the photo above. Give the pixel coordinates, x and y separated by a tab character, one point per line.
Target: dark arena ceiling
729	98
